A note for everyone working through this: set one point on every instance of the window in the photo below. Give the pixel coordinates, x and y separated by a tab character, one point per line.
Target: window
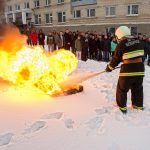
26	5
77	13
48	2
49	18
133	30
133	9
36	3
111	30
91	12
17	7
38	19
75	0
9	8
61	17
110	11
60	1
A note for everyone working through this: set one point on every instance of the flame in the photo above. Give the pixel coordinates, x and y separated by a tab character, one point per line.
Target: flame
30	66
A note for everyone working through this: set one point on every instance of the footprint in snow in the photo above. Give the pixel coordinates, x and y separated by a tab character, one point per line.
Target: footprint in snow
103	110
69	123
35	127
5	139
57	115
96	124
114	147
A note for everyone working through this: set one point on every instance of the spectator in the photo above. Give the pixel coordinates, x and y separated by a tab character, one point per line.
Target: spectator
28	32
56	40
99	44
34	37
50	42
85	46
113	45
92	47
67	40
41	38
148	51
106	48
61	40
78	47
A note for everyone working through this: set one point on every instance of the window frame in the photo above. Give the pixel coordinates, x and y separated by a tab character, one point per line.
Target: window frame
89	12
36	3
48	2
39	19
108	11
17	7
75	14
26	5
60	1
130	10
63	13
50	15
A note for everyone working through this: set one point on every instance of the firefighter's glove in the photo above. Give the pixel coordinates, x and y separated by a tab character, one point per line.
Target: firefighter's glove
108	68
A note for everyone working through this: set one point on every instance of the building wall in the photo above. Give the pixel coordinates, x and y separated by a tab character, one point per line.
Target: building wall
100	22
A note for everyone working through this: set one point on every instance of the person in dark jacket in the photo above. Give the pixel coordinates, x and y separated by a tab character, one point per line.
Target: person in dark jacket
129	51
41	38
50	42
148	50
106	48
92	47
67	40
99	44
85	46
144	42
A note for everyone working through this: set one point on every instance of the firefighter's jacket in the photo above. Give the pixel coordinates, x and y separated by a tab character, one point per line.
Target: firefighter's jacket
127	49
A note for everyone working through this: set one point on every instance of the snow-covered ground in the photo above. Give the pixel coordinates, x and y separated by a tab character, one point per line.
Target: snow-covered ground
30	120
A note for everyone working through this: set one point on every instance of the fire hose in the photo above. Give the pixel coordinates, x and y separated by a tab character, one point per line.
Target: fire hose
77	79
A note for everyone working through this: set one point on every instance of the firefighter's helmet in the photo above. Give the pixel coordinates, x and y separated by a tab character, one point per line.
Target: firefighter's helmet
122	31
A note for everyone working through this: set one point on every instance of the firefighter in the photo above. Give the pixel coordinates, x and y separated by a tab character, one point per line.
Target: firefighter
129	51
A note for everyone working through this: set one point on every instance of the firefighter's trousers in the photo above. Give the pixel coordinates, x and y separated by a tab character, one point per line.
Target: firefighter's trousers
135	83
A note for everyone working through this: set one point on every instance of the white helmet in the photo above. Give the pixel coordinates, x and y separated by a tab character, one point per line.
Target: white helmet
122	31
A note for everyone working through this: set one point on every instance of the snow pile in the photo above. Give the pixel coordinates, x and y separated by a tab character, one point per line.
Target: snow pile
88	120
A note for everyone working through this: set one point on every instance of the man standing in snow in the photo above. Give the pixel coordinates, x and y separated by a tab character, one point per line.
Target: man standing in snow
129	51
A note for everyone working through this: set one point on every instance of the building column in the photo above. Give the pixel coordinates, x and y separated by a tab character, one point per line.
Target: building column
14	17
33	17
24	18
6	18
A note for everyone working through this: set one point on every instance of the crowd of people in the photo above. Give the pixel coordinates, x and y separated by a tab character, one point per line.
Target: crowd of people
85	45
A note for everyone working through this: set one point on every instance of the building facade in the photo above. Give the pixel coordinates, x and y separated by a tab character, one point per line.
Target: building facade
83	15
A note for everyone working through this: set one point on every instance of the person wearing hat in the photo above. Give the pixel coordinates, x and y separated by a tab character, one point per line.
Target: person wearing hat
129	51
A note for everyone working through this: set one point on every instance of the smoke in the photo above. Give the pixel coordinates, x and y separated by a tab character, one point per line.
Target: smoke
12	40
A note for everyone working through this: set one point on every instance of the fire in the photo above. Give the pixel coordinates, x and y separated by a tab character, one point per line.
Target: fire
30	66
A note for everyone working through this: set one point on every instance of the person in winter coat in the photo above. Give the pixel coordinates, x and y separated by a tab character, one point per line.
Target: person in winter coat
61	40
106	48
28	32
73	39
56	40
78	47
92	47
129	51
148	50
113	45
41	38
50	42
67	40
99	44
34	37
85	46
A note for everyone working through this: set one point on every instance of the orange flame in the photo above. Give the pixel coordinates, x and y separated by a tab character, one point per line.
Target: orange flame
23	65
